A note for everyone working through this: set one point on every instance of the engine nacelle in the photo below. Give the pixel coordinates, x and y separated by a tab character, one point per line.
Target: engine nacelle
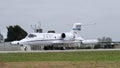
67	36
89	42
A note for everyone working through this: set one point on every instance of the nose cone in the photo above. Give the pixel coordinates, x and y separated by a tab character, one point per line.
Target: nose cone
15	42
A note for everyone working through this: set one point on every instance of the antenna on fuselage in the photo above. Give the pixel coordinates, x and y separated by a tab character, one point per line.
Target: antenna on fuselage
37	28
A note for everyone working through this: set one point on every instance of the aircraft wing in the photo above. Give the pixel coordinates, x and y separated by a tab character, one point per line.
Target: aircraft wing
62	41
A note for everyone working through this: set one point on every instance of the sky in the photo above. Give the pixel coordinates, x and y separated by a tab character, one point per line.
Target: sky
60	15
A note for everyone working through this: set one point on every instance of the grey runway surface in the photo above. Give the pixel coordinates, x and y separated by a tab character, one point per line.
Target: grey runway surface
45	51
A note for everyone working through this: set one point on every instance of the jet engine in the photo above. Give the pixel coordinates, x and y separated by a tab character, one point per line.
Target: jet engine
67	36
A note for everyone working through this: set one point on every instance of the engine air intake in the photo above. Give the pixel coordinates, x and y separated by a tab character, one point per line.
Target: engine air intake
63	35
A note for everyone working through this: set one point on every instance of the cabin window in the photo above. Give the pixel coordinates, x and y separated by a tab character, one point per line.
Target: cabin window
31	36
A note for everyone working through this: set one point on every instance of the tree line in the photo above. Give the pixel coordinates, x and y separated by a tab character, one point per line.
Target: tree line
15	33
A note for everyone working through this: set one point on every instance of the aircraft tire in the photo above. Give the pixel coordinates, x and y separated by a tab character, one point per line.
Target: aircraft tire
25	48
63	48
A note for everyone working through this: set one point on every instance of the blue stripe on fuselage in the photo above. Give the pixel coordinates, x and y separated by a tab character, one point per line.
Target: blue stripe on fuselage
76	29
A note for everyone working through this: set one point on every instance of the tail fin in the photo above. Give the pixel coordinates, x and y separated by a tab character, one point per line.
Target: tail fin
76	28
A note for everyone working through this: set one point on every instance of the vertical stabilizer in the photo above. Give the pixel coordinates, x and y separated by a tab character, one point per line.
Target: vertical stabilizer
76	28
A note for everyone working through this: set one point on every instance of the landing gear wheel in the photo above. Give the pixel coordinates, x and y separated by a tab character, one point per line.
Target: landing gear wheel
63	48
25	48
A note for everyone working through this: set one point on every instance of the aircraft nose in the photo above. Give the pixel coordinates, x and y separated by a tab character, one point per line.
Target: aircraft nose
15	42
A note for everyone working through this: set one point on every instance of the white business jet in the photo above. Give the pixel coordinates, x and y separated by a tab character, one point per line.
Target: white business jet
55	38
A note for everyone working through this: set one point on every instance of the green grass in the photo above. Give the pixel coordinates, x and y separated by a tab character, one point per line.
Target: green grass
92	56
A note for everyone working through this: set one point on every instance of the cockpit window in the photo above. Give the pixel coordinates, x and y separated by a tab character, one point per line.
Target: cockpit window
31	36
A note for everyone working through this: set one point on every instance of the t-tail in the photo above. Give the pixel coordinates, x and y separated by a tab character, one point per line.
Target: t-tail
76	28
